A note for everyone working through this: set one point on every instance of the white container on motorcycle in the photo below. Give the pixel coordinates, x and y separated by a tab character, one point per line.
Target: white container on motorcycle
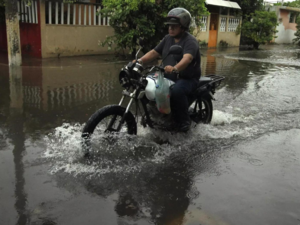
151	86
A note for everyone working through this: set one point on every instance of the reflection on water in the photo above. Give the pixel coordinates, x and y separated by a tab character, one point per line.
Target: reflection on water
17	136
78	94
32	96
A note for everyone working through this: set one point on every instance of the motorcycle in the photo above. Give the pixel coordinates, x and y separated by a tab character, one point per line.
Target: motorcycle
139	86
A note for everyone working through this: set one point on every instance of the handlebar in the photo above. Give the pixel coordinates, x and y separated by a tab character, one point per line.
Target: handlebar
160	68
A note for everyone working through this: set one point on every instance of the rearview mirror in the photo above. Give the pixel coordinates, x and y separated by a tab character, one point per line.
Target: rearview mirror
141	42
175	50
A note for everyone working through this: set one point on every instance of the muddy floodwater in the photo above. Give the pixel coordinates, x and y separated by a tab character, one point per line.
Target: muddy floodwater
242	169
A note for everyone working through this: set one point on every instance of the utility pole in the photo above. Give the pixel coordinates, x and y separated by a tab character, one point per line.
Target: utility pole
13	33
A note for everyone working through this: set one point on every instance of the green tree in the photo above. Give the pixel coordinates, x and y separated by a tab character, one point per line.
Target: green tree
296	40
290	4
249	6
133	19
260	27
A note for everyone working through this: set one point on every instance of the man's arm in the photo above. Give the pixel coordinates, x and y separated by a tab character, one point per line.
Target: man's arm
184	62
149	56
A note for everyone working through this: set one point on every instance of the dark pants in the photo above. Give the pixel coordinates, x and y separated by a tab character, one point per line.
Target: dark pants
179	99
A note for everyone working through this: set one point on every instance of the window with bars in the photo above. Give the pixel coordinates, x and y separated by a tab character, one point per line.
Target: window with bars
223	24
204	23
293	17
233	24
86	14
28	13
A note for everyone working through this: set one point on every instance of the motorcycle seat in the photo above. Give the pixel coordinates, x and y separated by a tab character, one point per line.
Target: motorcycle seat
204	80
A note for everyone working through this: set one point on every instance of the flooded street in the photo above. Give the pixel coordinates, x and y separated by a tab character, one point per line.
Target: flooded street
243	168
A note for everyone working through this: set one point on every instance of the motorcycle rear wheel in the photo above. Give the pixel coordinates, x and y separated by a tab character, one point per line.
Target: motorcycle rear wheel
107	120
204	111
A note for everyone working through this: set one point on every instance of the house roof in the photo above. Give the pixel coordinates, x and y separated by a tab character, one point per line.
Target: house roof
223	3
290	8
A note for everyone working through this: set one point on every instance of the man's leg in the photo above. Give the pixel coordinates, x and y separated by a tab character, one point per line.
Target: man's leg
179	102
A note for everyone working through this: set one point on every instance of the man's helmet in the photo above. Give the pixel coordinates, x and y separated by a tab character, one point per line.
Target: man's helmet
179	16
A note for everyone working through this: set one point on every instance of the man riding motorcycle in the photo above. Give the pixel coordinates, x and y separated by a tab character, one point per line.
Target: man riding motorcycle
184	71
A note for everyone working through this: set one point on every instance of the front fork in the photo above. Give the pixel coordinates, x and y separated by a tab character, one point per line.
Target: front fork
113	120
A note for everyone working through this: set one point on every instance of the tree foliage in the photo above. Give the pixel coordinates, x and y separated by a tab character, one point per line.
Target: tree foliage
133	19
290	4
249	6
248	9
260	27
296	40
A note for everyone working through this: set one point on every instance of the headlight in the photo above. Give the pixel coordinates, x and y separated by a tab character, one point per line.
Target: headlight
124	78
138	68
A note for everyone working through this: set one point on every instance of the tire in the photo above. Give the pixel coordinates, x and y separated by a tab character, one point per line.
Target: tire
205	114
101	119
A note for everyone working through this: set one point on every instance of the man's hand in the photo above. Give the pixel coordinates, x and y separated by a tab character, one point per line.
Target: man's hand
148	57
184	62
169	69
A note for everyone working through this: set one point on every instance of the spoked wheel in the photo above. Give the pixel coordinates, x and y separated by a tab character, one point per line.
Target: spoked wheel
202	111
107	120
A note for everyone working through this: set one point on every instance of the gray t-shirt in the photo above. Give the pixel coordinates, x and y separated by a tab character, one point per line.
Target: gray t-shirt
189	45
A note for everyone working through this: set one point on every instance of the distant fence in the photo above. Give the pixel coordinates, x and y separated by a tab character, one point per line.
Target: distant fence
28	13
84	14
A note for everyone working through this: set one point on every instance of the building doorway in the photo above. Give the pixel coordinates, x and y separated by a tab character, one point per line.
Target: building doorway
213	30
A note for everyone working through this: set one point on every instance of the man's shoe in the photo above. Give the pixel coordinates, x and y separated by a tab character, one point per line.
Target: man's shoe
184	127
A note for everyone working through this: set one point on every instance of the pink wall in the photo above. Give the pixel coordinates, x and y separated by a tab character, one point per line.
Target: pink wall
284	15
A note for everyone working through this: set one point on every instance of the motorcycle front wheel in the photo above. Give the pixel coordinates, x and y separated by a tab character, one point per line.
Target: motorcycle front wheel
108	120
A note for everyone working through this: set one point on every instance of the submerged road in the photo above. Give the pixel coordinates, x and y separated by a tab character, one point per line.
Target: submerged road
243	168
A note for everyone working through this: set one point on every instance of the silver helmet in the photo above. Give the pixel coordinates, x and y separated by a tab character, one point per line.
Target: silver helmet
179	16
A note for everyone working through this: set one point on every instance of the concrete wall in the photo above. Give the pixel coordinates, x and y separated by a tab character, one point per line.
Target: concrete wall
203	36
285	30
72	40
64	40
230	37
